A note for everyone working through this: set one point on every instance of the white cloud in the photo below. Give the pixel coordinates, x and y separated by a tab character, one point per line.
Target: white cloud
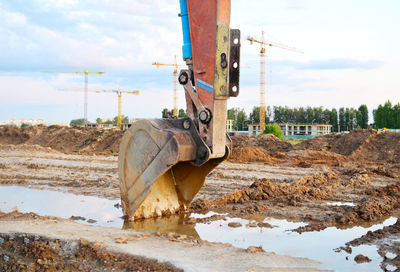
124	37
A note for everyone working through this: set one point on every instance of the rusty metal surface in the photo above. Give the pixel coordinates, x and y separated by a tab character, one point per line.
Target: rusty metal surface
202	23
163	163
150	177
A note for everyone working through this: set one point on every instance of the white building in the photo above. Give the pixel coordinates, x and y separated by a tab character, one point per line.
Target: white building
289	130
305	130
254	130
229	125
31	122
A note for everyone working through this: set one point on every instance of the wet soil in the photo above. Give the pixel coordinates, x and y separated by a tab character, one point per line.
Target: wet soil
264	177
24	252
388	241
33	243
28	252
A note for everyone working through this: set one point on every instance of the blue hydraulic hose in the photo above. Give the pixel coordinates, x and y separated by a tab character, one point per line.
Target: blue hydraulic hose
187	46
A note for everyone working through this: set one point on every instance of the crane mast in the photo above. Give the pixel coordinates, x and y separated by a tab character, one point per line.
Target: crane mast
262	84
86	83
118	92
175	75
263	43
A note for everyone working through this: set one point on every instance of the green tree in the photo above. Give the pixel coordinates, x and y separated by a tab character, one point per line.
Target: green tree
309	115
241	120
342	124
274	129
232	115
164	113
387	116
396	113
254	117
77	122
24	125
181	113
333	120
124	120
98	120
363	116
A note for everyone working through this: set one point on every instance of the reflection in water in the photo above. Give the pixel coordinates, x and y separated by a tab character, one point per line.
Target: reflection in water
317	245
64	205
173	223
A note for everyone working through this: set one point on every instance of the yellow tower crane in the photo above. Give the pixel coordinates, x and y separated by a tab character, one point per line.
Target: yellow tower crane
86	73
119	93
264	43
175	73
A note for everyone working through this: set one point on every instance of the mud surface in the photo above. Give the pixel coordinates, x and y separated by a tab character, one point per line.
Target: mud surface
388	241
32	243
359	145
81	140
335	180
24	252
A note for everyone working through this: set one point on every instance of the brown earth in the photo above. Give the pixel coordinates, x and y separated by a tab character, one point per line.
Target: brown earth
251	154
265	176
25	252
387	239
357	145
81	140
268	142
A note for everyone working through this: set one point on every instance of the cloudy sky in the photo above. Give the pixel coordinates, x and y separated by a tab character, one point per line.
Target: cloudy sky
350	54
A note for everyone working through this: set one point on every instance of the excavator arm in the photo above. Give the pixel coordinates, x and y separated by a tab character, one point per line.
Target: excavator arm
163	163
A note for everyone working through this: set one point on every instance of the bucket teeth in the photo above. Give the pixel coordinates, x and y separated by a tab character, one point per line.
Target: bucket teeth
159	170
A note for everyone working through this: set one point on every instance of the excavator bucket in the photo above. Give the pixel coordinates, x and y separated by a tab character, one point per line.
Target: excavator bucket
163	163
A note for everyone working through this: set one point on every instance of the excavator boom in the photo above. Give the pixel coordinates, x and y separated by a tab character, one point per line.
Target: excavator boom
163	163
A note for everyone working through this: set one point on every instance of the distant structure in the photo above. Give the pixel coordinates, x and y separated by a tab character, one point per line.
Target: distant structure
229	125
31	122
296	131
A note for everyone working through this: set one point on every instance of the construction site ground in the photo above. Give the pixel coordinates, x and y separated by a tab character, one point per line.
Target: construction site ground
328	203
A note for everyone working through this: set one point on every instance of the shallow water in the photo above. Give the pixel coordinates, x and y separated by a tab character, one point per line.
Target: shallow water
317	245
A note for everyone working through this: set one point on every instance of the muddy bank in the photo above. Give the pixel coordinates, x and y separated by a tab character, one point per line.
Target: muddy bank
387	240
42	243
81	140
25	252
306	199
358	145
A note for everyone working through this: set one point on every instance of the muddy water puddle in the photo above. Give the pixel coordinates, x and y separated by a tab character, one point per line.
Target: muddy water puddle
274	235
89	209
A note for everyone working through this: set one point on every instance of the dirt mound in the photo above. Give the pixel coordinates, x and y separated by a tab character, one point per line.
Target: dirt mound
25	252
318	143
27	148
348	143
268	142
83	140
343	144
251	154
363	144
379	147
308	158
315	187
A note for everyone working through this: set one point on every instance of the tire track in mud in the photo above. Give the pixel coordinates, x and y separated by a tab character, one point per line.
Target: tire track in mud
66	173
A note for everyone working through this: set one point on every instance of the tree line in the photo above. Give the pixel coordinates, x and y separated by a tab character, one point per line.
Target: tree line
341	119
387	116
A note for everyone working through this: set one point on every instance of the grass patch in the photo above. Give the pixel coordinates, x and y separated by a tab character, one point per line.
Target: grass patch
294	141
